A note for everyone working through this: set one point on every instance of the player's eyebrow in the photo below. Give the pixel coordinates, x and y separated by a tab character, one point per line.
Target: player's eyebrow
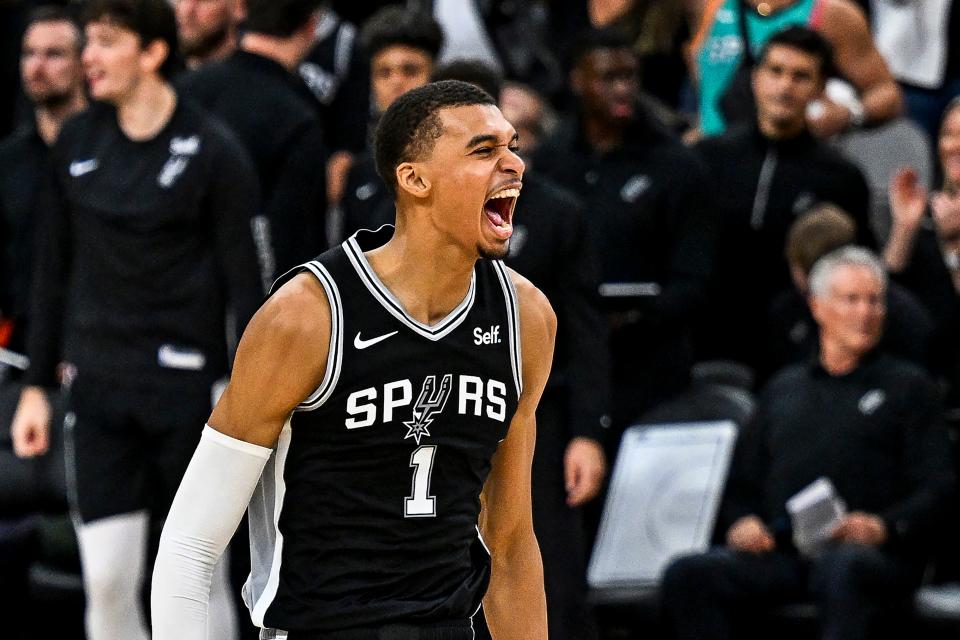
488	137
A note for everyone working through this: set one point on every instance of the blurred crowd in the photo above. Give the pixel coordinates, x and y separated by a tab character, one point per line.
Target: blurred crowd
769	189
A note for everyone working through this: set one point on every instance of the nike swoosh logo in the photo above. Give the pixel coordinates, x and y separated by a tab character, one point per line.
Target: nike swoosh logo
81	167
360	343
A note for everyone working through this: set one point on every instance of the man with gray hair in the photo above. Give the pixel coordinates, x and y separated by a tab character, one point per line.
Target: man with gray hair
869	423
791	332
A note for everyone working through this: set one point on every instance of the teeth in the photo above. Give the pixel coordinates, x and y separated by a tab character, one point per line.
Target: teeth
506	193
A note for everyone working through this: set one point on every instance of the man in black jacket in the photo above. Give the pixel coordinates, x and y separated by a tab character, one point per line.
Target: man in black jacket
646	199
791	330
767	173
52	79
869	423
258	95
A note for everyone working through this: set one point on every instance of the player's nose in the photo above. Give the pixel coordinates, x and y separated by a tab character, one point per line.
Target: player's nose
512	164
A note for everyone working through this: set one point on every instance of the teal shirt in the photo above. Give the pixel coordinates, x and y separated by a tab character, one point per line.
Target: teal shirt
719	57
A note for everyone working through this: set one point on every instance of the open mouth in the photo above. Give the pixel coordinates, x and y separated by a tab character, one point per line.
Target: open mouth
499	211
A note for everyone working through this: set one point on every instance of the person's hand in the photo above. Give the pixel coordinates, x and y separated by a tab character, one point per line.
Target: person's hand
584	466
30	429
861	528
946	216
829	120
751	535
908	199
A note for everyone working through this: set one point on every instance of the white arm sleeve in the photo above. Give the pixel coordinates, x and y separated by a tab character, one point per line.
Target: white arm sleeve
205	513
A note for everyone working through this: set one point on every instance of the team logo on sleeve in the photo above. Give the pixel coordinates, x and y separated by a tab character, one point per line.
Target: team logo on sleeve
429	404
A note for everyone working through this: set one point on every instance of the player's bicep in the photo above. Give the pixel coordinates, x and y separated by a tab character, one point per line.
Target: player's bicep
280	361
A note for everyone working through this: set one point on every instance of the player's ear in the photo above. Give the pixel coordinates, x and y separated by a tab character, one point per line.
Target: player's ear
412	181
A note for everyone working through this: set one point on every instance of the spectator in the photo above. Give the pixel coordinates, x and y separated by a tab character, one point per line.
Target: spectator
658	30
722	62
919	42
338	74
53	82
923	252
780	171
792	335
208	29
52	79
882	445
403	45
647	198
529	113
145	238
551	246
257	94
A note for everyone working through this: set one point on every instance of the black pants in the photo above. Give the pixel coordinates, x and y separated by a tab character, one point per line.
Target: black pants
857	588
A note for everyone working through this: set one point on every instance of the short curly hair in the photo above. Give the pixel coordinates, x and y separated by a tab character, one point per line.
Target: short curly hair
396	25
409	128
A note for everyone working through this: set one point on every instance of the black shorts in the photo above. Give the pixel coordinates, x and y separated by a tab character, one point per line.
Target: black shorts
448	630
128	448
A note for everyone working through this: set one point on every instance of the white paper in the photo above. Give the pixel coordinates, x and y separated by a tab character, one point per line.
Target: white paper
815	512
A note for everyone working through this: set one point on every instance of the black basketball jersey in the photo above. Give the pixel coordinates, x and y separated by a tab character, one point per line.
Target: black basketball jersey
366	513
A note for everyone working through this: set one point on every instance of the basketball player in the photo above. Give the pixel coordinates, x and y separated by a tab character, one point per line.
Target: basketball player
381	414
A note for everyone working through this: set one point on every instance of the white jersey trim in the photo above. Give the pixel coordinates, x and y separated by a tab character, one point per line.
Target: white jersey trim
389	302
513	313
259	603
335	352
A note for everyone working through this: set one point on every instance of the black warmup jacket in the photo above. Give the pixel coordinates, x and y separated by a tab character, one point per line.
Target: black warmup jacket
273	114
875	432
23	170
141	246
647	208
761	187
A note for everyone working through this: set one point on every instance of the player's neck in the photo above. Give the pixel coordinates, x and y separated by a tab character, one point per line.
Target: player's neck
429	278
147	110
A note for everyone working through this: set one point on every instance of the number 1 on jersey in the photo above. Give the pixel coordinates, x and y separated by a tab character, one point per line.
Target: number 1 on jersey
421	504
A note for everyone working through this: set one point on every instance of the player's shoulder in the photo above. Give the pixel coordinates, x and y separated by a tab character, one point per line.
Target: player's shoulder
298	311
536	313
